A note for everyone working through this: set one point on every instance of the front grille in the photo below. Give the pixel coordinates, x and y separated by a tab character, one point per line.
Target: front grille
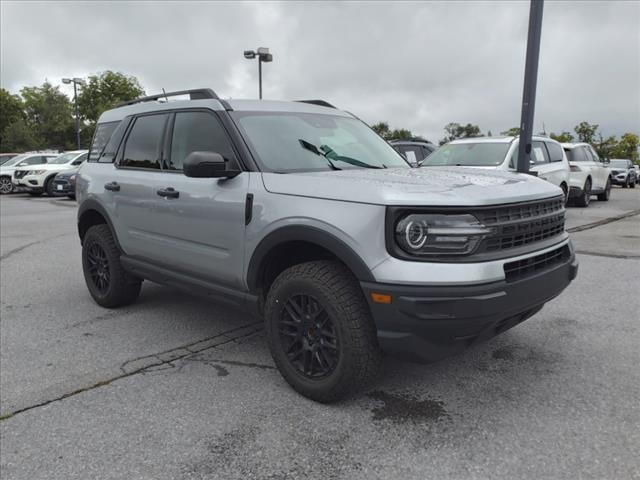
19	173
521	268
519	225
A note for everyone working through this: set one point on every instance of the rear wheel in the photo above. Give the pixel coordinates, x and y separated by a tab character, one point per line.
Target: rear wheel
604	196
565	191
6	185
108	283
321	334
626	183
584	199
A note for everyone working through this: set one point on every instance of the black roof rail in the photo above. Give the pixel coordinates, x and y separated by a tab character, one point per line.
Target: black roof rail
321	103
195	94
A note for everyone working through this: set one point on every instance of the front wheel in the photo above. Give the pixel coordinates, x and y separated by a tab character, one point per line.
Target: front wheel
320	331
108	283
604	196
49	187
6	185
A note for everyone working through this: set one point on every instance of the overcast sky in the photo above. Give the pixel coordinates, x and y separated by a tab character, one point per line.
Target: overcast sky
415	65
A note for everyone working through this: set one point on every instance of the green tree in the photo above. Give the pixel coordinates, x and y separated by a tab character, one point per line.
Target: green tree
564	137
382	129
18	136
11	110
49	113
627	147
512	132
605	146
455	130
104	91
586	132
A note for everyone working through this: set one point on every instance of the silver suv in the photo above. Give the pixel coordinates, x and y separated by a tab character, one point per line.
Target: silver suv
299	213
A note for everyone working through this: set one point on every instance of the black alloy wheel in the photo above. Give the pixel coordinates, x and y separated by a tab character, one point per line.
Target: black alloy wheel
308	336
98	267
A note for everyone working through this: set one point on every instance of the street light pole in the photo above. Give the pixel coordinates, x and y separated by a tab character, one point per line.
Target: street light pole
530	83
263	55
76	81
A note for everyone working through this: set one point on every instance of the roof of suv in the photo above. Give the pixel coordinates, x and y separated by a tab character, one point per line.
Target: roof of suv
119	113
497	139
574	145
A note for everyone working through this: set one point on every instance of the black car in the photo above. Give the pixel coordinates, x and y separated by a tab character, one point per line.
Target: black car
64	183
623	172
415	151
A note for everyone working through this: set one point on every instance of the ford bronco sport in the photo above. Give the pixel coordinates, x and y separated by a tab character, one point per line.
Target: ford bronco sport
298	212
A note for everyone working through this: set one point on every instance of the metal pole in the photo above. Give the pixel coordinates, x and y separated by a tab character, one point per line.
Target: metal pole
530	83
260	77
75	101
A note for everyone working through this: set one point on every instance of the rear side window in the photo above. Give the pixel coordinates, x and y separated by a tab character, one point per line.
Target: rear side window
555	152
143	147
100	138
539	153
198	132
579	155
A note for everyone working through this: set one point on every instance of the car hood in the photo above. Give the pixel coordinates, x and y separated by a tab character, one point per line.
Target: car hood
434	186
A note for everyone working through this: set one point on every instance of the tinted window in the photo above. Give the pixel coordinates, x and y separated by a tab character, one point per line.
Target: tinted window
143	147
37	160
578	155
620	163
593	154
539	153
198	132
555	152
111	149
100	138
426	151
80	159
413	154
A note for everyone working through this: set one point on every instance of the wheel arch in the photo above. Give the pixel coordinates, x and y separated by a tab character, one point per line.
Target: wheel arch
287	240
91	213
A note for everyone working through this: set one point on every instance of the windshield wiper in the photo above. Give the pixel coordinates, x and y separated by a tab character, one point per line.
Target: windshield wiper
327	152
312	148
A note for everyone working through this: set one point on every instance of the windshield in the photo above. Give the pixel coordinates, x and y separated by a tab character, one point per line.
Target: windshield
294	142
64	158
14	160
5	158
468	154
619	164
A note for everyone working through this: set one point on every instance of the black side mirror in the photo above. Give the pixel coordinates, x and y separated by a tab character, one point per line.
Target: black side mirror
207	165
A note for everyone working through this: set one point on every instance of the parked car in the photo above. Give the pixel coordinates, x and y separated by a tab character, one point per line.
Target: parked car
301	214
39	180
64	183
548	160
7	156
623	172
588	175
26	159
415	151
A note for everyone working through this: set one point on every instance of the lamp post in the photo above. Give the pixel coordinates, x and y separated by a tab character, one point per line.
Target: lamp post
263	56
76	81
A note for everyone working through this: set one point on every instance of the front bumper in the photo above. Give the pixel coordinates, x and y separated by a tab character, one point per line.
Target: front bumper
62	186
620	179
428	323
31	182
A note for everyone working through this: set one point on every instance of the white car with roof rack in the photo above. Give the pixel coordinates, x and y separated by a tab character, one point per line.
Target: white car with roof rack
588	175
38	180
23	160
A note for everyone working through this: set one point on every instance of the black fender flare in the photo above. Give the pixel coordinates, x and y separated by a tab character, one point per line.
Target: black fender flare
93	205
305	233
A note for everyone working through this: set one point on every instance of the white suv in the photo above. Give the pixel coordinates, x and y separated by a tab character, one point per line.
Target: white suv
40	179
548	160
589	175
26	159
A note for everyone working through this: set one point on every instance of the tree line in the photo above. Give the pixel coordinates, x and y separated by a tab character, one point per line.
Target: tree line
44	117
610	147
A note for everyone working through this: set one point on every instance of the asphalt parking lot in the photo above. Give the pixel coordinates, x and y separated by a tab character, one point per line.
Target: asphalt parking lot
175	387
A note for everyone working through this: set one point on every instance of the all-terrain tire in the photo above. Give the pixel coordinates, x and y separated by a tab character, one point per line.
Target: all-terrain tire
333	287
108	283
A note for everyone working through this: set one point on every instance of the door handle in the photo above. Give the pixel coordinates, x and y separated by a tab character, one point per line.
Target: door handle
112	186
168	192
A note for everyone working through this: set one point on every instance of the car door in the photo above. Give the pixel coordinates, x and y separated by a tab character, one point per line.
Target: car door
540	162
198	224
128	188
558	164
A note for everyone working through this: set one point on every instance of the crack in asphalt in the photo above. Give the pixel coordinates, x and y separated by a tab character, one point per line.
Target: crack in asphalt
154	360
608	255
599	223
23	247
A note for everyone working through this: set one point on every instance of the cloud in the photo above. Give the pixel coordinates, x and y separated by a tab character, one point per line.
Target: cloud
415	65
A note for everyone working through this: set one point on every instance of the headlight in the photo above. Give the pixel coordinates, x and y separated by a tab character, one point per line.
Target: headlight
35	172
439	234
72	178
